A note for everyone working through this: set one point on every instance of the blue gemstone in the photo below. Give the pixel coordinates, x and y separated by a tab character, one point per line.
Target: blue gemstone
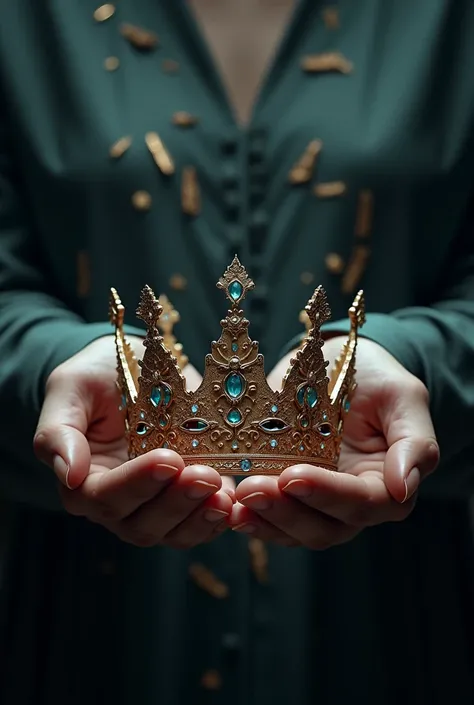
124	401
163	422
155	396
274	409
235	347
234	416
325	417
301	448
166	445
235	445
234	385
304	422
300	396
194	408
245	465
273	443
142	414
311	397
142	428
195	425
347	406
325	429
195	443
235	290
166	396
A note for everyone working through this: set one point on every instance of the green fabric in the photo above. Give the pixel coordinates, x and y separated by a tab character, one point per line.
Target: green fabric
387	618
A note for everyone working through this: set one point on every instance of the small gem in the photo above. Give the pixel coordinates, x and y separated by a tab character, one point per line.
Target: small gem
124	401
311	397
235	290
323	446
167	396
301	448
194	408
274	409
234	385
304	422
234	416
163	422
142	414
141	429
324	429
245	465
325	417
273	443
300	396
166	445
235	445
195	443
155	396
143	444
235	347
347	406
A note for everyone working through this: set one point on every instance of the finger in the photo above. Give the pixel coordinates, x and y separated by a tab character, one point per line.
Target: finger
153	521
60	440
203	524
245	521
311	528
358	501
115	494
228	485
413	450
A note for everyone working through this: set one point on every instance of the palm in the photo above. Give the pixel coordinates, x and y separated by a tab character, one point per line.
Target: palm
106	432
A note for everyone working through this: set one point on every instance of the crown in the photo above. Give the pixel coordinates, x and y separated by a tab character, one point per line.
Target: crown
234	422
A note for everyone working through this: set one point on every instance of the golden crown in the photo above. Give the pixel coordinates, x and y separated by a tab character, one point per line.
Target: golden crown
234	422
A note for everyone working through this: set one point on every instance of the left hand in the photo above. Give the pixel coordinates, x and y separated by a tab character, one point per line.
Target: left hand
389	447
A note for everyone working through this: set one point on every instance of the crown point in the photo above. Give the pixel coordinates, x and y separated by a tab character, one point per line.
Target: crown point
235	282
116	309
317	308
149	309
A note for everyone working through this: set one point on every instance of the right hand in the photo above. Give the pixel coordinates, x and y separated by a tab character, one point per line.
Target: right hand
147	501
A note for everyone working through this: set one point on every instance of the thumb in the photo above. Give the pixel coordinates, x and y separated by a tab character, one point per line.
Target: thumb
60	439
413	451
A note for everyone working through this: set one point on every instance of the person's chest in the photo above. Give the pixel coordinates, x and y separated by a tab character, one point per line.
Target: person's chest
352	168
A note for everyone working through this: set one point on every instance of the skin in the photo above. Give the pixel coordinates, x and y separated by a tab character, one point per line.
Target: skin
389	448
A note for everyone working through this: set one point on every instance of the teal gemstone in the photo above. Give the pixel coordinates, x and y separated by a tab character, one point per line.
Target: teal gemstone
300	396
235	347
234	416
235	290
163	422
235	445
234	385
245	465
195	425
325	429
195	443
166	445
301	448
142	428
142	414
325	417
274	409
347	406
273	443
304	422
311	397
155	396
166	396
124	401
194	408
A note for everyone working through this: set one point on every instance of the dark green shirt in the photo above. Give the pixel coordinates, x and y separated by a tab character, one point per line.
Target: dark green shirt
385	205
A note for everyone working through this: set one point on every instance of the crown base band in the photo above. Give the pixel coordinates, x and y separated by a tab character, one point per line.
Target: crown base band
238	464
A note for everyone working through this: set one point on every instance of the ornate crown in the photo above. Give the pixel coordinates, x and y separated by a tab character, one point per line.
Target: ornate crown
234	422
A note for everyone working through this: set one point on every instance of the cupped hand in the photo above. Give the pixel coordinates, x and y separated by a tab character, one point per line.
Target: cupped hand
150	500
389	447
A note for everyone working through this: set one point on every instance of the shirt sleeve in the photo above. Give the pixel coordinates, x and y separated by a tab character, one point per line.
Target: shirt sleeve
37	333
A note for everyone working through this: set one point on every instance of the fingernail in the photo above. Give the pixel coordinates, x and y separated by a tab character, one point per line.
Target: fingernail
214	515
200	490
412	482
298	488
245	528
258	501
164	472
61	468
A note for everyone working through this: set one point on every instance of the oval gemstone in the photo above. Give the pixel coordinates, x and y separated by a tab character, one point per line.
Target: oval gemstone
234	385
195	443
347	406
324	429
245	465
195	425
273	425
304	422
166	395
142	428
155	396
273	443
300	396
274	409
235	290
311	397
235	347
163	422
194	408
234	416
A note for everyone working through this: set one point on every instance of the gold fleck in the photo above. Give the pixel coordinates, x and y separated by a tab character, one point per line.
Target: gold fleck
178	282
331	17
303	170
170	66
259	560
355	269
190	192
334	263
141	200
159	153
211	680
104	12
331	61
83	274
184	119
207	581
111	63
365	210
119	148
330	189
306	277
138	37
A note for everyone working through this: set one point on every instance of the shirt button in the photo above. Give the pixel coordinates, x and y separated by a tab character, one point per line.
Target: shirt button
111	63
141	200
334	263
104	12
211	680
